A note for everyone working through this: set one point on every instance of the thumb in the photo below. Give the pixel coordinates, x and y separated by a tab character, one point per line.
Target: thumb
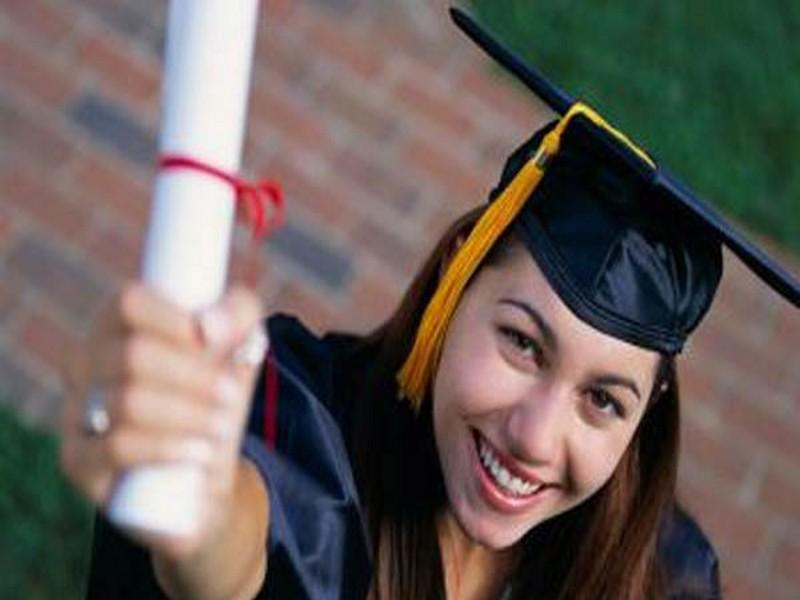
232	331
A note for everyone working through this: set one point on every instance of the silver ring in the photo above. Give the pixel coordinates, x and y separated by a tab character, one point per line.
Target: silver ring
253	349
96	421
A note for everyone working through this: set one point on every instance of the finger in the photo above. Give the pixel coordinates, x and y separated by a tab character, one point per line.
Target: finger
165	411
128	448
225	325
235	333
151	361
82	457
86	467
142	309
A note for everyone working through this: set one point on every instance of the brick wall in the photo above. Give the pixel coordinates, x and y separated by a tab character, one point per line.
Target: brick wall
382	125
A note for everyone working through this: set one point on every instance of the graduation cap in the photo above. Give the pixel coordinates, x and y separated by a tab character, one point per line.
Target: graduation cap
627	247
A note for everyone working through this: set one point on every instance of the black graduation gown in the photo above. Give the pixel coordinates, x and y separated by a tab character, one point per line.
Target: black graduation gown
318	544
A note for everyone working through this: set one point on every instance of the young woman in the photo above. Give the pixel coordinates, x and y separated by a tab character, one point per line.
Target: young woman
510	432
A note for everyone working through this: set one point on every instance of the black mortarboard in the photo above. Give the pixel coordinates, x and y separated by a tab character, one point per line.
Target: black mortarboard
626	246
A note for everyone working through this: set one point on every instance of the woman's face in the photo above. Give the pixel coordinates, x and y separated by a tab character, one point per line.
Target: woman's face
532	408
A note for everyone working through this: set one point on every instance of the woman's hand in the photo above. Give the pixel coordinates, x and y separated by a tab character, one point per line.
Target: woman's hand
174	393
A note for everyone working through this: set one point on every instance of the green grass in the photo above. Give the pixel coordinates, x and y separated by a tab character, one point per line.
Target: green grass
45	527
710	88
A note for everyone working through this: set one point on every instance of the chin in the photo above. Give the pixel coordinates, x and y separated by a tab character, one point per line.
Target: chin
488	530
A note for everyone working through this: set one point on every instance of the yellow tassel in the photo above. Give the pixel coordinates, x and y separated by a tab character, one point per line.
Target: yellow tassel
415	375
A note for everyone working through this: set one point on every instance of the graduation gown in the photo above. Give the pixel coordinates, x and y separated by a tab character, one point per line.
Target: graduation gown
297	436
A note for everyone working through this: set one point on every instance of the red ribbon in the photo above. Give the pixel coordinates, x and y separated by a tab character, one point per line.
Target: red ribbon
254	196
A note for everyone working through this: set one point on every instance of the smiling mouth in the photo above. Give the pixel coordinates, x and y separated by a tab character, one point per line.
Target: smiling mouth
508	483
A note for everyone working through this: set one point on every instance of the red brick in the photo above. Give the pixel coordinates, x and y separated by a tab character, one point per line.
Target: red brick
118	67
276	113
33	73
402	65
698	386
116	250
372	302
46	208
102	182
278	10
455	177
787	329
38	140
731	528
278	56
781	493
740	586
438	109
728	344
716	454
318	315
441	219
492	148
269	281
495	93
782	435
381	242
787	562
347	101
6	227
740	296
47	21
431	50
56	276
327	204
10	302
379	183
46	339
335	43
247	265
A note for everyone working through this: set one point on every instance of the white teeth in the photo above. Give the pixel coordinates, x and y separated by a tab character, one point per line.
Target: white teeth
501	475
504	478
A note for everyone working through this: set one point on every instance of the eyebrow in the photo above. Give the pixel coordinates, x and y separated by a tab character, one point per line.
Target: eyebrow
550	339
611	379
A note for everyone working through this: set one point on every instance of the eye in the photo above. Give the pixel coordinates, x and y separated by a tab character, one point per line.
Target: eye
606	403
523	345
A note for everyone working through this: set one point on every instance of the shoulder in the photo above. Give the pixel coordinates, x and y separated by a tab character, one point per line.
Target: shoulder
317	537
299	352
302	369
692	566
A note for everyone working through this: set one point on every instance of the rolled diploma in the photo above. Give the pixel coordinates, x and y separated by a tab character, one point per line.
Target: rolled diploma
206	79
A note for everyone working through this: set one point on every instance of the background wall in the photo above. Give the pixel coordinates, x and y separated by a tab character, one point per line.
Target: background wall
382	125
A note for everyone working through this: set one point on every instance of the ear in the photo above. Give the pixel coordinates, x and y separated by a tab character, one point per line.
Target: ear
450	254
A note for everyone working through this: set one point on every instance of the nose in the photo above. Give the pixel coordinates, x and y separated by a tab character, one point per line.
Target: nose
538	426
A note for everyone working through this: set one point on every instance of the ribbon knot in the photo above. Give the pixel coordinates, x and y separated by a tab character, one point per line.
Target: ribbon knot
254	197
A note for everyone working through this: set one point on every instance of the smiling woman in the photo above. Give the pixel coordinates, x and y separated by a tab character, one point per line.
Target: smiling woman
529	396
511	431
544	455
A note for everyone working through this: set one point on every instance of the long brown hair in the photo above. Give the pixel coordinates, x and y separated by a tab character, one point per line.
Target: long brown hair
604	549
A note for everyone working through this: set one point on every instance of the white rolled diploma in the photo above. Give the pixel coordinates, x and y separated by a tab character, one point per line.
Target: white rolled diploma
206	79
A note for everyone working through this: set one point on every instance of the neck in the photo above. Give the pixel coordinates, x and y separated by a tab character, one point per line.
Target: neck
471	571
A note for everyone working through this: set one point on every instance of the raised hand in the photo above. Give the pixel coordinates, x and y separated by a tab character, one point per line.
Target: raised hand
167	386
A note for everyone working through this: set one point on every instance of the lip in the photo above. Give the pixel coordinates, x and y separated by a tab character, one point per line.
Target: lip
498	498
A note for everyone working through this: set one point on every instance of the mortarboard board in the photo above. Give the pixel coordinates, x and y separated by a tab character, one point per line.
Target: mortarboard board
627	247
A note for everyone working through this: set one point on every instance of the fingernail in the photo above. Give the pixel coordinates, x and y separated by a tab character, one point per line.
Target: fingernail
227	389
215	325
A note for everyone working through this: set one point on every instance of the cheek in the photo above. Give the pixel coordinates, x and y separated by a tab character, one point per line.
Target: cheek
461	387
594	459
465	388
472	378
